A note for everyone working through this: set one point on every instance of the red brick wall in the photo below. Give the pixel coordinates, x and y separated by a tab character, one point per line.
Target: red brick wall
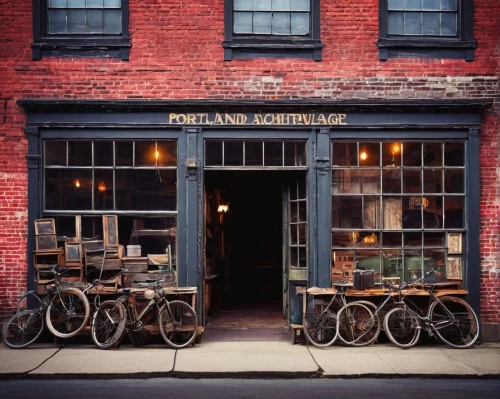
176	53
490	218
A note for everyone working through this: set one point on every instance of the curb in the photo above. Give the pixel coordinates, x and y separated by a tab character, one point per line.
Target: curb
241	375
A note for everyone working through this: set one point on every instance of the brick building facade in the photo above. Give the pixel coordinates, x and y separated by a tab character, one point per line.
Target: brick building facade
167	58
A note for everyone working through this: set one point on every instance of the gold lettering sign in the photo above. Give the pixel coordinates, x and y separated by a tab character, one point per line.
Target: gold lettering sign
268	119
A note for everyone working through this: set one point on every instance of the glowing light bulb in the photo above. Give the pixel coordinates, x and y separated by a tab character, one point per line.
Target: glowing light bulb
363	155
101	186
77	183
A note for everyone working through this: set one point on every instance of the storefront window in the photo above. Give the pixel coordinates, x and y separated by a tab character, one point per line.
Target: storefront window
109	175
394	207
136	180
248	154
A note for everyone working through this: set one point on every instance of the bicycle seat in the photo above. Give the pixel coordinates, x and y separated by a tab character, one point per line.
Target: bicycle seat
126	290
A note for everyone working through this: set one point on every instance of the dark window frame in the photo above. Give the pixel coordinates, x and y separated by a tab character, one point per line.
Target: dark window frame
77	45
273	46
96	169
460	47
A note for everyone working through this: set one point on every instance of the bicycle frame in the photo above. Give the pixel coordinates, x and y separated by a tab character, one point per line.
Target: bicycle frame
338	297
425	323
132	310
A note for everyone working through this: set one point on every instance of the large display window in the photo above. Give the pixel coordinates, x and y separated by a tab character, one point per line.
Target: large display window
398	208
133	179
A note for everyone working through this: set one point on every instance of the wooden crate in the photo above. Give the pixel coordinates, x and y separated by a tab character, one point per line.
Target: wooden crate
112	264
129	279
135	264
109	287
337	273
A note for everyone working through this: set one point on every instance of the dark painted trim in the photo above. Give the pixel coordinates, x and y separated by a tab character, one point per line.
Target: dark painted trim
34	201
472	272
323	179
200	273
312	213
51	105
189	276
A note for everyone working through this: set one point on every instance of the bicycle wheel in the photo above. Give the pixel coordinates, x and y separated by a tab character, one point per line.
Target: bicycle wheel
321	332
108	324
178	324
22	329
454	321
68	313
373	328
401	326
356	324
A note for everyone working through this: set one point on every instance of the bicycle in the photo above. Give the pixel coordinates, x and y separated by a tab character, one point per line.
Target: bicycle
449	319
177	321
342	323
364	331
65	310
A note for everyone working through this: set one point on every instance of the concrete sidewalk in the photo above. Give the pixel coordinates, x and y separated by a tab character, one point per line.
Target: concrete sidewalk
249	360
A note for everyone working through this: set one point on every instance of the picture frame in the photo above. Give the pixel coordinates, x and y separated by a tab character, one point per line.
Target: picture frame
454	241
45	226
73	252
46	242
110	230
454	270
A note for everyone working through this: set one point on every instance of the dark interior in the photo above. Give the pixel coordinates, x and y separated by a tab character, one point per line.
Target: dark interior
250	265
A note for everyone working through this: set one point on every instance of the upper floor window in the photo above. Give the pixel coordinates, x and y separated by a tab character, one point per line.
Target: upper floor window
84	16
426	28
275	17
80	28
277	28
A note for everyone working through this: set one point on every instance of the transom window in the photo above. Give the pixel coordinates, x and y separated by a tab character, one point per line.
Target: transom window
394	207
255	154
81	175
84	16
271	17
422	17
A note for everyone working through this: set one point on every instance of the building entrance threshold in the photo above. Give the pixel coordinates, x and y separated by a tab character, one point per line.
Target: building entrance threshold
246	325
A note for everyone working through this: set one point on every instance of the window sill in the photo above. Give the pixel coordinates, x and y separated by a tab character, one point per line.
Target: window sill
426	48
244	48
79	47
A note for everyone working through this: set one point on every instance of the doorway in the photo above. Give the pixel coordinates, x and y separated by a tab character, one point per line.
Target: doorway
244	249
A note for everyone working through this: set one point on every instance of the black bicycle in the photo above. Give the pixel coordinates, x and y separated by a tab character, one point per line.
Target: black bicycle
449	318
176	320
65	310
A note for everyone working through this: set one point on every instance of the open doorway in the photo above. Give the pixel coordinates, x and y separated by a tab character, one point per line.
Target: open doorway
244	248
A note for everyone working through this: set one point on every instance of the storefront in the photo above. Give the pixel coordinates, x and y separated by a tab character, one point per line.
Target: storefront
314	189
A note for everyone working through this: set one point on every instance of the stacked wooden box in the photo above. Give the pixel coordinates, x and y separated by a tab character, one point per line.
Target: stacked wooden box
46	253
150	267
343	267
